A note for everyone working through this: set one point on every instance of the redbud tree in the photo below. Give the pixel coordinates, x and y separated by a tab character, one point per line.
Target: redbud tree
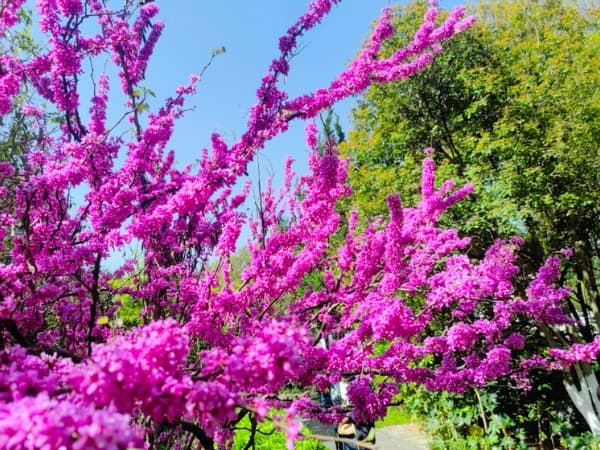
404	301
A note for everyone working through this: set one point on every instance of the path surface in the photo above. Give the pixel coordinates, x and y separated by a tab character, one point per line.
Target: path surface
401	437
395	437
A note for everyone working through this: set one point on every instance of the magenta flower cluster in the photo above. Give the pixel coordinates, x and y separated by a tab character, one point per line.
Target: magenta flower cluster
45	423
132	372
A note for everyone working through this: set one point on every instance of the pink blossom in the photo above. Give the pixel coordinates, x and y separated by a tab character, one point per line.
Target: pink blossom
45	423
210	345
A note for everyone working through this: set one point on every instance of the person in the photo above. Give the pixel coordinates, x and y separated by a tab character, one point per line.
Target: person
326	398
350	429
331	395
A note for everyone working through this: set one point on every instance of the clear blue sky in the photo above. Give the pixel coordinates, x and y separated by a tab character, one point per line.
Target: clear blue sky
250	30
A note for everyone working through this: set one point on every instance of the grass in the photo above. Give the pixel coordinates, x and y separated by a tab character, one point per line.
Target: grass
396	415
268	438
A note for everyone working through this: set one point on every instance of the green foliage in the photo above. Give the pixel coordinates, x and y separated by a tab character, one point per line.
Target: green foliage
498	417
331	130
129	310
268	438
239	261
511	106
514	107
396	415
456	422
585	441
16	129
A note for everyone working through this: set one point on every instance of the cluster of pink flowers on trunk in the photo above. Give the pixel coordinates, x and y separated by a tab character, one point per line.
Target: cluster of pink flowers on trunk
211	348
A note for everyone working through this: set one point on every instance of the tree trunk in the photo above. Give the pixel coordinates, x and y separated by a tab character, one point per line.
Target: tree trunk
582	387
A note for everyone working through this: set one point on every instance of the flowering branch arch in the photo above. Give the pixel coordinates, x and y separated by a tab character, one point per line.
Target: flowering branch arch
208	350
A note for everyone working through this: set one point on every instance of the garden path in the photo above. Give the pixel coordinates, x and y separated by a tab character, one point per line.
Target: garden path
394	437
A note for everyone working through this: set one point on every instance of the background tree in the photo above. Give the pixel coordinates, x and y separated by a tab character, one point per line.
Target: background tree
17	130
512	105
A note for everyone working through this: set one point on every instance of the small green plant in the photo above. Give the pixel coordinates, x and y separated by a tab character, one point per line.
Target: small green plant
585	441
268	437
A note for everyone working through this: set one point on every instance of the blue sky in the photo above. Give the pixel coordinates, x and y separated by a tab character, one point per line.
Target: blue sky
250	30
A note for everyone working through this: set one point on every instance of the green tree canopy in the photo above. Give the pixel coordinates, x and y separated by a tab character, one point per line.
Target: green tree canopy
511	106
514	107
